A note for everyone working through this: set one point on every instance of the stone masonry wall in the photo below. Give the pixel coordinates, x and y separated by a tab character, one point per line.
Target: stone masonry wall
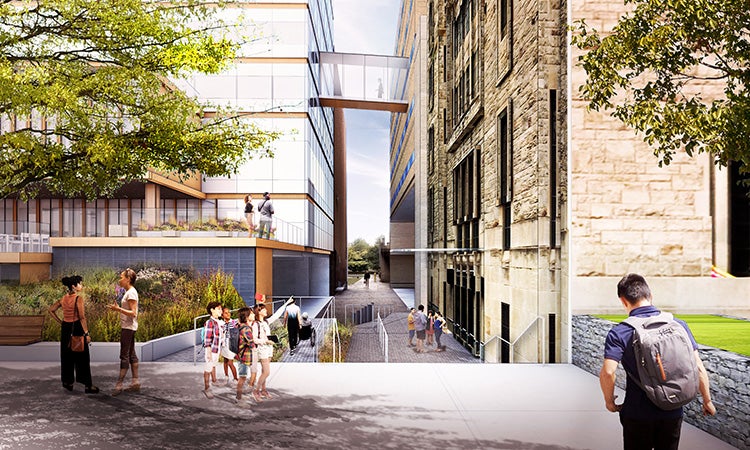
729	374
627	213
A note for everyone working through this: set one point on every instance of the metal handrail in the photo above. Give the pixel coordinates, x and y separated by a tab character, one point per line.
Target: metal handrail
482	345
382	338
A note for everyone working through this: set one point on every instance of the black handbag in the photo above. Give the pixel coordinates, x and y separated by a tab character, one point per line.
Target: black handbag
77	343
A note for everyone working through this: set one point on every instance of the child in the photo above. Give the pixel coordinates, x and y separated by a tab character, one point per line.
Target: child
211	346
430	329
247	354
226	352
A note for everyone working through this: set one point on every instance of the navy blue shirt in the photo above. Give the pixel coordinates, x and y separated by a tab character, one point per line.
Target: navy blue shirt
619	347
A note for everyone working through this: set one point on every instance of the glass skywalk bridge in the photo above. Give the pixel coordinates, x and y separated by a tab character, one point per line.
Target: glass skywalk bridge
359	81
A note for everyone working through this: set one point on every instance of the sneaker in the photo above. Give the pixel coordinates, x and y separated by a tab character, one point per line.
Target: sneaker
256	395
207	392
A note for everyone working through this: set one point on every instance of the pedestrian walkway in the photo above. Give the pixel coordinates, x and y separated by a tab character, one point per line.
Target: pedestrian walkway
320	406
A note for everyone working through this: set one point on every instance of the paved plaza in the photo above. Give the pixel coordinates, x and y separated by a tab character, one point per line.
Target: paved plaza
444	400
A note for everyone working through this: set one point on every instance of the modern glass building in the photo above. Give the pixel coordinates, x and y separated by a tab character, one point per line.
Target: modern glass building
273	82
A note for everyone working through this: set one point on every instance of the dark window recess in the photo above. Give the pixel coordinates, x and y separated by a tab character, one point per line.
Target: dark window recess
505	333
553	185
467	205
739	222
552	338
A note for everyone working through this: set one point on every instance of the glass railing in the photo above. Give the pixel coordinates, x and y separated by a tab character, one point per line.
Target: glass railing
24	242
141	222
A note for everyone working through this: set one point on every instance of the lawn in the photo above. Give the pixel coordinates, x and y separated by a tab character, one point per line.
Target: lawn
714	331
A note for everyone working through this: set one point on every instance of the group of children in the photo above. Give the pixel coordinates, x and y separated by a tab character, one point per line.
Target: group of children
254	349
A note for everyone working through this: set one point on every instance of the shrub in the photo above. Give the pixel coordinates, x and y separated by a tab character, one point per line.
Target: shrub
169	300
326	350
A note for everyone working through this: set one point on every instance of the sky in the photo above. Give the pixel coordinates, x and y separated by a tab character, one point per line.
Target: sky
366	27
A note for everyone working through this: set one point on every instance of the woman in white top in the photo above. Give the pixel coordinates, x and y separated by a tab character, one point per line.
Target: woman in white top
128	309
261	331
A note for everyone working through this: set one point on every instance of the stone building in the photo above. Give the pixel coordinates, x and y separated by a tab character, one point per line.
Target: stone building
528	207
487	206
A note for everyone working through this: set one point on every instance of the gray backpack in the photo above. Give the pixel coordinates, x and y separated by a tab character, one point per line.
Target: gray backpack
665	360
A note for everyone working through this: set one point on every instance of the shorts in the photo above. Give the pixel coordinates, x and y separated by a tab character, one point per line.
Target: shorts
265	352
243	370
411	334
210	358
420	334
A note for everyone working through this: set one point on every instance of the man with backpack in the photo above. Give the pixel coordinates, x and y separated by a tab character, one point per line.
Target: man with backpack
668	375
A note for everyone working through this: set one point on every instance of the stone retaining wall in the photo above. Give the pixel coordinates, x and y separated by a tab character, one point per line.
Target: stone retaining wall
728	372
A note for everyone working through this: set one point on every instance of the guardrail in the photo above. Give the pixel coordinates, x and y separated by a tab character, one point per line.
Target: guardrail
24	242
382	338
326	312
512	345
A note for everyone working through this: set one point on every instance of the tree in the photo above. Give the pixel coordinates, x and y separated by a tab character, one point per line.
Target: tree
363	256
85	101
658	56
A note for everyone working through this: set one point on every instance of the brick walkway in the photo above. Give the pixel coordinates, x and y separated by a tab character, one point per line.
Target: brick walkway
365	347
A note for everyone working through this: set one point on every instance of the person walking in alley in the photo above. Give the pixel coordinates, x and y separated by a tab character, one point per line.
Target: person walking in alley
644	424
410	326
291	322
420	324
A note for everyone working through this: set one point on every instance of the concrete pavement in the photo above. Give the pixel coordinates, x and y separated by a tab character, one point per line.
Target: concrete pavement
442	402
325	406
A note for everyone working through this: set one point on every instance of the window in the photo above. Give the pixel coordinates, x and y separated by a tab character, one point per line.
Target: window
431	150
467	200
554	187
431	215
505	155
504	38
431	85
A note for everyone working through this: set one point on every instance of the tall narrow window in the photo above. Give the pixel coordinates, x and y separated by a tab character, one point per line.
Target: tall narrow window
431	85
505	156
431	150
431	215
504	38
445	216
553	183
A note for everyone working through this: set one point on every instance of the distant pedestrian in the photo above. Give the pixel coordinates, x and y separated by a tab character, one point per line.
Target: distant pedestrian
211	346
420	323
367	278
644	425
249	215
74	366
374	277
429	329
128	309
291	322
439	325
410	326
265	208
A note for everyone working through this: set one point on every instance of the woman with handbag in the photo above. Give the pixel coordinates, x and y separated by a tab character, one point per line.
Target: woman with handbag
75	363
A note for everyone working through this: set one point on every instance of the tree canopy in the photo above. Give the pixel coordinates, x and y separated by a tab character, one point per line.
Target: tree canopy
363	256
85	98
651	69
